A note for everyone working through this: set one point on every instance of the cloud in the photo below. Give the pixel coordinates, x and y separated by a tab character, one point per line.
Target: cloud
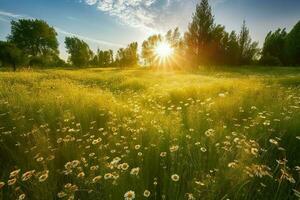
13	15
136	13
59	30
102	42
149	15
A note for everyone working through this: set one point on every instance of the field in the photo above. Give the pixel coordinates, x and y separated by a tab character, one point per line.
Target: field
140	134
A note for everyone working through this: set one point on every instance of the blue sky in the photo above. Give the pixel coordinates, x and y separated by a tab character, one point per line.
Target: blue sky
112	24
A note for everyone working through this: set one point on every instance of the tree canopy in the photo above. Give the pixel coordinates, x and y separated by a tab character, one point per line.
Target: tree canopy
128	56
11	55
34	37
80	53
292	46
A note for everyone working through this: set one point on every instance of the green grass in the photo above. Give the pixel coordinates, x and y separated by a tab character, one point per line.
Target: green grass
230	133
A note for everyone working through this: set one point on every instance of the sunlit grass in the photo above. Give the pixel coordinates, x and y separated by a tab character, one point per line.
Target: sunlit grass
107	134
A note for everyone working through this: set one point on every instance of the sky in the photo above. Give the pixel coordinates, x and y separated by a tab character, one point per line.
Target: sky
111	24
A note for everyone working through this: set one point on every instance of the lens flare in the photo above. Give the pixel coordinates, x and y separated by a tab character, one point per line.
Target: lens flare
163	50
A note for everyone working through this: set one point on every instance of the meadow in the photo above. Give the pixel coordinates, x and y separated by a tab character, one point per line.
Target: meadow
231	133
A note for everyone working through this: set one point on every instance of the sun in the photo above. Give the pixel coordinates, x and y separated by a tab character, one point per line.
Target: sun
163	50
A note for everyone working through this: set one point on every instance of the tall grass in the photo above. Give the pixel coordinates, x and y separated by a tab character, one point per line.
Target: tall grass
138	134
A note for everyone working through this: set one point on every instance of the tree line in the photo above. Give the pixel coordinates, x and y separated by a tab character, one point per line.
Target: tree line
34	43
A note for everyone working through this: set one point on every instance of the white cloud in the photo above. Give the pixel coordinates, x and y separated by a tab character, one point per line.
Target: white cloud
59	30
150	15
136	13
13	15
93	40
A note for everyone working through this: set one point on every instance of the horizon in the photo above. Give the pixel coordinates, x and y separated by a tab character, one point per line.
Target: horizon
100	22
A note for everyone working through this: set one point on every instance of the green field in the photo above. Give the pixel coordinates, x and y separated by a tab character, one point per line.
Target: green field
140	134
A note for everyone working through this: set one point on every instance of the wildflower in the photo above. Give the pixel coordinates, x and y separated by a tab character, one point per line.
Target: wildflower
135	171
44	176
115	175
94	167
199	183
175	177
27	175
190	196
96	179
137	147
203	149
147	193
21	197
254	151
222	95
267	123
75	163
40	159
14	173
1	184
11	181
232	165
124	166
81	175
210	133
108	176
174	148
272	141
61	194
96	141
163	154
129	195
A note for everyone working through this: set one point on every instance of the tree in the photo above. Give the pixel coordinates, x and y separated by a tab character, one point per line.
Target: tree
128	56
273	49
103	58
80	53
178	57
148	49
11	55
232	49
199	34
34	37
292	46
247	49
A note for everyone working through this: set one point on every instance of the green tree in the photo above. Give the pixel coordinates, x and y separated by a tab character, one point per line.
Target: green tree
232	49
34	37
11	55
148	49
248	50
200	32
80	53
292	46
128	56
103	58
273	49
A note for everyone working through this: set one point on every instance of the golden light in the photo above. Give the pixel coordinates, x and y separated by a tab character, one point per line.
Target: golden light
163	50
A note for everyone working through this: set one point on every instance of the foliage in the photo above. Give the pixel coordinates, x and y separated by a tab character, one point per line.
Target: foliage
247	49
11	55
174	39
34	37
148	49
292	47
273	49
128	56
209	43
103	58
80	53
200	33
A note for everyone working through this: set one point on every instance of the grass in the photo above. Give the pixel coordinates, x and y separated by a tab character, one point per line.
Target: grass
230	133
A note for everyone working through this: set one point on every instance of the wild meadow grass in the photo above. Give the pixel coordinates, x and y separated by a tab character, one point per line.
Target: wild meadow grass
141	134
